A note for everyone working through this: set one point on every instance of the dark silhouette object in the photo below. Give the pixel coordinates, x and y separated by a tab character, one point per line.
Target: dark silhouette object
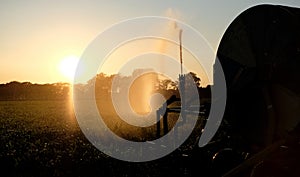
171	100
187	97
163	111
260	56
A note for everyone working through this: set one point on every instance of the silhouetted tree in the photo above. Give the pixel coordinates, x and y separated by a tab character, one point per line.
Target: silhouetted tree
196	79
26	91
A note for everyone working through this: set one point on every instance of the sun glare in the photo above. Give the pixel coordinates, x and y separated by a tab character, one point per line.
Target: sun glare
67	67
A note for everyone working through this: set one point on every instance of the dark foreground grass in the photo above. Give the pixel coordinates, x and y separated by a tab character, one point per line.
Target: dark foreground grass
42	138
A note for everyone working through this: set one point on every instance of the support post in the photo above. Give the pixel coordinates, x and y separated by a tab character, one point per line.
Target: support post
165	122
158	123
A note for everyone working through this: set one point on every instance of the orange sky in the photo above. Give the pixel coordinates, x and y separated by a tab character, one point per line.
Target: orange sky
37	35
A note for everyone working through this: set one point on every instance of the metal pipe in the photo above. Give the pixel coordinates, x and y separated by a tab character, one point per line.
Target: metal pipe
180	46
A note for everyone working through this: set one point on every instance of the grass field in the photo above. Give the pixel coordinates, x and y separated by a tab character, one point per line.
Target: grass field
42	138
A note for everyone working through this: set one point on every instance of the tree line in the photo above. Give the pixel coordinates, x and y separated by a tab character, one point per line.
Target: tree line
101	84
18	91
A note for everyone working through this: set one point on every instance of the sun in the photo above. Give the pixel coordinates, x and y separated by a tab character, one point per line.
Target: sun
67	67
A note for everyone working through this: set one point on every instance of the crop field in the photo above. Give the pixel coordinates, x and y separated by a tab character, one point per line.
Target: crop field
42	138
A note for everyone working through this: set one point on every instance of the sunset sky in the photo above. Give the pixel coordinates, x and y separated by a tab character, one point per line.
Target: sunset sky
37	37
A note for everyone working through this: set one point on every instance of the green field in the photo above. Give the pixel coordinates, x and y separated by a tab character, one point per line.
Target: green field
42	138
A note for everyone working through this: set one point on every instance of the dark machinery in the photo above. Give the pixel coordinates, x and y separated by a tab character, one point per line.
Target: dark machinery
260	56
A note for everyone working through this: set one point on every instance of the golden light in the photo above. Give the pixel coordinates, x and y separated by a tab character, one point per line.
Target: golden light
67	67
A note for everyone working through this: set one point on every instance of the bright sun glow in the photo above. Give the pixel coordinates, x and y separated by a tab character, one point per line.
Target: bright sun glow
67	67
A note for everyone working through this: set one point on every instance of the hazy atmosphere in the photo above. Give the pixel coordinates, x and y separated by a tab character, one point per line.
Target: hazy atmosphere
131	88
41	41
